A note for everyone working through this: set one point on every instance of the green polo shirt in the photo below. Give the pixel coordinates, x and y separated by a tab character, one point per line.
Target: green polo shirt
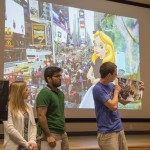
54	101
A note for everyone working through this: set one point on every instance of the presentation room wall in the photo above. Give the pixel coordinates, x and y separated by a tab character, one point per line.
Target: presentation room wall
91	127
143	15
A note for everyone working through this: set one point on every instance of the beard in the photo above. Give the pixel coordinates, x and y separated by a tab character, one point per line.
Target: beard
56	84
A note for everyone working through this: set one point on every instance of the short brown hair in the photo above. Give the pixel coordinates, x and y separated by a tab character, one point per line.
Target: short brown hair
106	68
50	71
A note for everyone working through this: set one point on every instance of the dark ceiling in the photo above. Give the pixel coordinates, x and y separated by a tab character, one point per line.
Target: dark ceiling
140	3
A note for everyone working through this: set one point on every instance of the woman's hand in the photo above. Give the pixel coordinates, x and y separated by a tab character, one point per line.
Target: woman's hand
33	146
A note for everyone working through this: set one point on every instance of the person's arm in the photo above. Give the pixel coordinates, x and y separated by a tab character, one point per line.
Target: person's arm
123	102
13	132
41	113
91	77
112	104
33	132
90	74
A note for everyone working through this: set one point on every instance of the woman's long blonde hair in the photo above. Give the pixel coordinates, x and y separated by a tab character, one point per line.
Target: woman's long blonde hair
109	46
16	98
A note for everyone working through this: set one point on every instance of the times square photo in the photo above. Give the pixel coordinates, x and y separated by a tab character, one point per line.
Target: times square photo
45	34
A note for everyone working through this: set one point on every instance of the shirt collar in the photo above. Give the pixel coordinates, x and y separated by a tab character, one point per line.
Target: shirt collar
52	89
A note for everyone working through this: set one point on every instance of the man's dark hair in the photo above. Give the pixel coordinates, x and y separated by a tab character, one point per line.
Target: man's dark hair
50	71
106	68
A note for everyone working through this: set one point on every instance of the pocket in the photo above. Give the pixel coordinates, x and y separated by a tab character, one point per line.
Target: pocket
99	139
41	137
65	134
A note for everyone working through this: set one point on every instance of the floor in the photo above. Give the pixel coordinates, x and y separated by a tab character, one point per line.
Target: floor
142	142
135	142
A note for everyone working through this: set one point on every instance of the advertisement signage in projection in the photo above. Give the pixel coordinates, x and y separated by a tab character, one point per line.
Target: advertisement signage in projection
34	10
13	20
38	34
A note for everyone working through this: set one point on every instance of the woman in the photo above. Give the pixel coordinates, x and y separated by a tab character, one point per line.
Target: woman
20	128
103	52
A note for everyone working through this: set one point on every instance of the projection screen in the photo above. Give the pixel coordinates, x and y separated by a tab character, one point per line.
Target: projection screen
64	34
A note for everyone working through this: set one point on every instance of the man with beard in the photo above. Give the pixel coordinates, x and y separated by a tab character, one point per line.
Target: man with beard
50	112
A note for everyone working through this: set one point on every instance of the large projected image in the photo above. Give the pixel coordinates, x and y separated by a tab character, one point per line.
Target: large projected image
44	34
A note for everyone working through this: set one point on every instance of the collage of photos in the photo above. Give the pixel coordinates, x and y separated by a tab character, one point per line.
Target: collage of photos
44	34
130	90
